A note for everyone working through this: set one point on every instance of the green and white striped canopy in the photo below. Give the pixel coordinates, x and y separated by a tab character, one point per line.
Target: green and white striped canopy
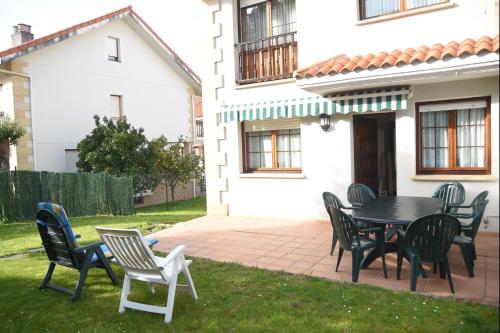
313	105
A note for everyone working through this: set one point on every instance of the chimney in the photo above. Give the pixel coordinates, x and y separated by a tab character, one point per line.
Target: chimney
21	34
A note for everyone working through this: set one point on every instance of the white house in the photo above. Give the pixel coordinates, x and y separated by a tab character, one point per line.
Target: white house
410	89
114	65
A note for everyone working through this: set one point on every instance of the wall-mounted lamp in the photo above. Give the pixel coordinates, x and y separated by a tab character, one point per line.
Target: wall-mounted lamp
324	122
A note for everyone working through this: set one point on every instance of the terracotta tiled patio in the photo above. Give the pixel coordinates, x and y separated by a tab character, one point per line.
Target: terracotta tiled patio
303	247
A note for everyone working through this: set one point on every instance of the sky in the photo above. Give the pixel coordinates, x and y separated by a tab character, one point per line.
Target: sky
175	21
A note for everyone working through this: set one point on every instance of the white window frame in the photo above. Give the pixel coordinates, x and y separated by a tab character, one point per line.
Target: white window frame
120	107
116	40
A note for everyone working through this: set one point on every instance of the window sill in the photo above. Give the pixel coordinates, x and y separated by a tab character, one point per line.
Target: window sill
267	175
410	12
468	178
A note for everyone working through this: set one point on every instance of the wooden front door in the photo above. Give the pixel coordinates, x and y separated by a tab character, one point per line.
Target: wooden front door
366	152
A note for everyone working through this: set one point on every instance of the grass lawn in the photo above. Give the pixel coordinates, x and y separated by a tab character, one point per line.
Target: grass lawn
20	237
232	297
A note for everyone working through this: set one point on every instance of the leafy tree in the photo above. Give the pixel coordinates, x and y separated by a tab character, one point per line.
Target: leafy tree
10	133
175	164
119	149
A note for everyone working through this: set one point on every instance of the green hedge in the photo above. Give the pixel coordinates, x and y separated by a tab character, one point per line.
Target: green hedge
80	193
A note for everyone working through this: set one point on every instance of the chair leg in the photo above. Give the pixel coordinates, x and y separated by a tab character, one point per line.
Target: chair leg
468	258
422	271
334	242
125	293
442	270
399	264
151	288
434	267
341	252
380	241
414	268
48	275
107	266
83	274
172	285
357	256
189	280
384	267
448	273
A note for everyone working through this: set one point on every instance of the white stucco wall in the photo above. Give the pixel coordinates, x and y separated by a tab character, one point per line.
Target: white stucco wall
405	141
328	156
73	80
328	161
334	29
7	107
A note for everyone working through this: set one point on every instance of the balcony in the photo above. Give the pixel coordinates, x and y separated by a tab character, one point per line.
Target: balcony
272	58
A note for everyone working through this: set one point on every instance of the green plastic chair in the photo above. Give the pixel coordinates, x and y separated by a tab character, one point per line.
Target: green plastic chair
351	240
462	215
359	194
466	239
427	239
452	194
62	249
330	199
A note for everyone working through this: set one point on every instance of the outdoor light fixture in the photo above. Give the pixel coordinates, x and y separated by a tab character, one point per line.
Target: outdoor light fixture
324	122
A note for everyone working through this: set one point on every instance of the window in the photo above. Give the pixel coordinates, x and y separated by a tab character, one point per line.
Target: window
71	157
453	137
115	107
276	149
267	18
373	8
267	48
113	45
199	128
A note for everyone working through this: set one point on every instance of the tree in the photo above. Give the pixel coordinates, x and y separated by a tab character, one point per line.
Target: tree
119	149
10	134
175	164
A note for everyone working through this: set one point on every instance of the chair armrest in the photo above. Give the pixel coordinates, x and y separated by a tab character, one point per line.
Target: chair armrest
178	251
88	247
77	235
462	216
459	206
371	229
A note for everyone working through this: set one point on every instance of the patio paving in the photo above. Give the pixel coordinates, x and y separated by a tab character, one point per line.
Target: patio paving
303	247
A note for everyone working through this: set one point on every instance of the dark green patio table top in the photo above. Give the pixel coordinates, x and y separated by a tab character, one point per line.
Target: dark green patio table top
400	210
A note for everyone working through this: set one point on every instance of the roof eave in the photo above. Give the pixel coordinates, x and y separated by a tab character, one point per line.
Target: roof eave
130	17
438	71
57	37
167	54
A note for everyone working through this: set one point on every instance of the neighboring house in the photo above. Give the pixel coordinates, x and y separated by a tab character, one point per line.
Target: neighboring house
198	146
302	97
114	65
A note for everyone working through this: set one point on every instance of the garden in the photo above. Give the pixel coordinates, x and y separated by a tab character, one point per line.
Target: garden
232	297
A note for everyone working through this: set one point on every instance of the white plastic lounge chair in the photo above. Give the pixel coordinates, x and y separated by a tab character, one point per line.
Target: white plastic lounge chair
132	252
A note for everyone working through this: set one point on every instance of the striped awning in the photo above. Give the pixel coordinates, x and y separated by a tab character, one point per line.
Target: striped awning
313	105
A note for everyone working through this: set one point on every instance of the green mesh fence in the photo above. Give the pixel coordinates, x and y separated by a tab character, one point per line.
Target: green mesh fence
80	193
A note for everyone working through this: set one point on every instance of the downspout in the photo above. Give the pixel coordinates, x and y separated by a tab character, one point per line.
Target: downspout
193	127
31	109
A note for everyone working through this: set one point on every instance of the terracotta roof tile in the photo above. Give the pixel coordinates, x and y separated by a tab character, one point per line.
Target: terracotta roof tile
343	63
63	32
